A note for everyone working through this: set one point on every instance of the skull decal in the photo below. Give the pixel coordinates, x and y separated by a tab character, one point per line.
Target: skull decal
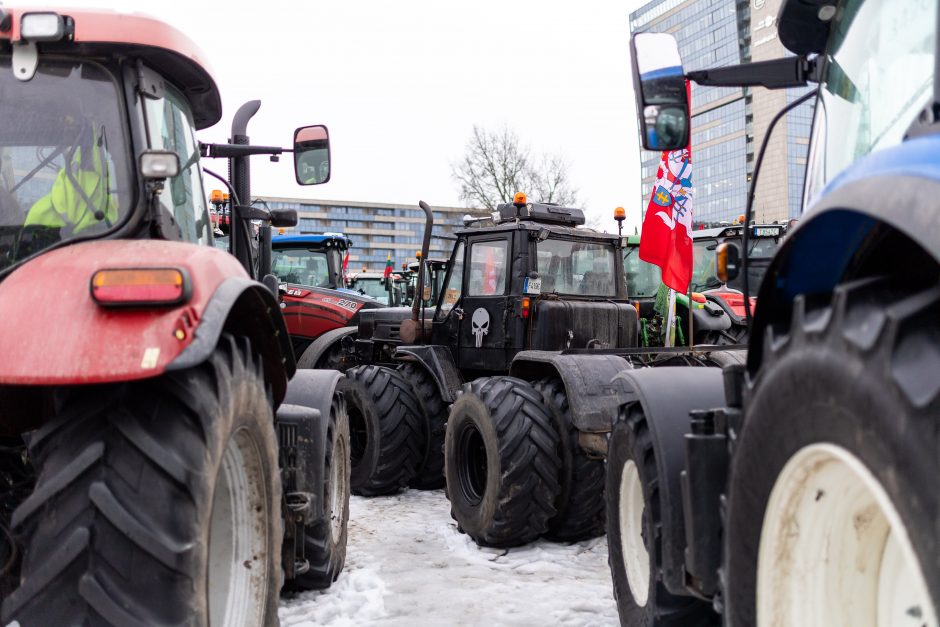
480	324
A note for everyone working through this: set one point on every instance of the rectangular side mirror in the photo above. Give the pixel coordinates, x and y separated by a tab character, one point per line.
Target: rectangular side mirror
312	155
283	218
659	84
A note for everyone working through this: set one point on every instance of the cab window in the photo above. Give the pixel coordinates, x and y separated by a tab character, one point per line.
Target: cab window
170	126
569	267
451	290
488	268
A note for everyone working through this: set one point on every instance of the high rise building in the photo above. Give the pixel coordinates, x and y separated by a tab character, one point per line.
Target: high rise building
376	229
728	124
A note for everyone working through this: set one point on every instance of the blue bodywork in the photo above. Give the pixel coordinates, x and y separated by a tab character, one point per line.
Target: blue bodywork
322	238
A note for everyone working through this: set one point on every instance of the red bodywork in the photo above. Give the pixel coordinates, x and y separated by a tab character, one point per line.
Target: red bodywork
151	39
54	334
734	301
311	311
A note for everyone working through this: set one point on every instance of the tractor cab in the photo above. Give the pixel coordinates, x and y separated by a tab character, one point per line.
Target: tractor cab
436	271
310	260
532	281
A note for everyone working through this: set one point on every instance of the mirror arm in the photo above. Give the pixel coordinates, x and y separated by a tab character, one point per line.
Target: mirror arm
229	151
773	74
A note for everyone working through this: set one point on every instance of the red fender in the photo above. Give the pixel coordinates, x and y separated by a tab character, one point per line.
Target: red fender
54	334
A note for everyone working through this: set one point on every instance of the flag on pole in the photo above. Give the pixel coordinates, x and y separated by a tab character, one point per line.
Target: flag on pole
388	267
667	227
345	266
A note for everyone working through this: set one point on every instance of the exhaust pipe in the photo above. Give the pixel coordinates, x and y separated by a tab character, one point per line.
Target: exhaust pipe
412	331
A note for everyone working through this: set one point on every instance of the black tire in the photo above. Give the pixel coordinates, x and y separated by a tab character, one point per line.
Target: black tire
864	368
502	462
333	358
117	531
630	441
325	539
430	475
580	500
728	358
387	430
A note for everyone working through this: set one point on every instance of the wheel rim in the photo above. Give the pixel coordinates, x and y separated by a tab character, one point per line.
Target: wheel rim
358	435
833	549
471	461
636	559
338	474
237	576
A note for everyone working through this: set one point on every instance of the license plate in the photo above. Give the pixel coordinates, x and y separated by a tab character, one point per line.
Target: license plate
766	232
532	286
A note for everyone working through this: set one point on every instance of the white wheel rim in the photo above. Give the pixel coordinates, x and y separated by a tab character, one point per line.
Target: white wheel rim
237	576
338	475
636	559
834	551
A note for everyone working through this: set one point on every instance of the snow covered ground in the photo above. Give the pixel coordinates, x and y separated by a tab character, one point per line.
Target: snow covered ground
406	564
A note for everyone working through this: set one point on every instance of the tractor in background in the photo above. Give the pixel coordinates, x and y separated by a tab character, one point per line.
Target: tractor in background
798	488
162	459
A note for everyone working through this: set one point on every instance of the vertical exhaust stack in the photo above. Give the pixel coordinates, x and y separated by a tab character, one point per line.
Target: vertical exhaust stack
412	330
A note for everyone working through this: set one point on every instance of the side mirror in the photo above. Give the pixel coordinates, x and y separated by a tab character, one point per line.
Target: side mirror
659	83
312	155
728	259
282	218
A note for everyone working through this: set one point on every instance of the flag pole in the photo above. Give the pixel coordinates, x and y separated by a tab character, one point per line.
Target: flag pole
670	339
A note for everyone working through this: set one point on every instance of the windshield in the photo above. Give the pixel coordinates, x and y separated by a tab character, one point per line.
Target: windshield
643	278
301	266
569	267
374	288
878	77
170	125
704	277
63	171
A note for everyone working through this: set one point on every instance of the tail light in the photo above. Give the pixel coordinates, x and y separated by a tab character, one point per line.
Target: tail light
526	303
140	287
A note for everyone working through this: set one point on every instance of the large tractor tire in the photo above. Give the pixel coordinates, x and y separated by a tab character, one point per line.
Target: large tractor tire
634	533
502	462
833	511
157	502
430	475
325	539
388	439
581	497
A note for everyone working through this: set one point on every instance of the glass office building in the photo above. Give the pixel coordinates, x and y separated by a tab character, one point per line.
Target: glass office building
376	229
728	123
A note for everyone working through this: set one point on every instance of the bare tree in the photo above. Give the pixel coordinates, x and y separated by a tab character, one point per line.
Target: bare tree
496	166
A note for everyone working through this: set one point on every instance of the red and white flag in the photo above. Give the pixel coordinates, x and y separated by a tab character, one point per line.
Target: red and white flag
666	240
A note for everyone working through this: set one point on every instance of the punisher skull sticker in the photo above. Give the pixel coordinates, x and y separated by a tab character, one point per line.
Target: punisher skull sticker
480	324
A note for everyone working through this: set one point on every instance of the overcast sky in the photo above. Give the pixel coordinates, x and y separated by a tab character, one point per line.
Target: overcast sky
400	85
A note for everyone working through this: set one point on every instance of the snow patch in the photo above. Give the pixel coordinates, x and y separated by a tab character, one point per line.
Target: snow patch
408	565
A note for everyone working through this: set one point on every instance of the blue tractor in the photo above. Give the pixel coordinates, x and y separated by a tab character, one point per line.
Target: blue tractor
799	489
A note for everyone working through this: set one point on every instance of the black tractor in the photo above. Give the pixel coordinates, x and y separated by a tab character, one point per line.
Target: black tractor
521	299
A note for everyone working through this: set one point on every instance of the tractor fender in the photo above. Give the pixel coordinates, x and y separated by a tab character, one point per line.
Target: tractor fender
593	395
843	235
667	395
307	406
319	346
60	336
244	308
439	362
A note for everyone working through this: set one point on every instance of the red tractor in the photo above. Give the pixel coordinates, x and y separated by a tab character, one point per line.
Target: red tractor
160	460
317	307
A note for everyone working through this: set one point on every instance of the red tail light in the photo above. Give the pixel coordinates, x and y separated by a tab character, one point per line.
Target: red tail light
526	303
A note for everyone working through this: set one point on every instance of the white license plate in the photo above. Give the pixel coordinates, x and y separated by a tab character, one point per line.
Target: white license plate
533	286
